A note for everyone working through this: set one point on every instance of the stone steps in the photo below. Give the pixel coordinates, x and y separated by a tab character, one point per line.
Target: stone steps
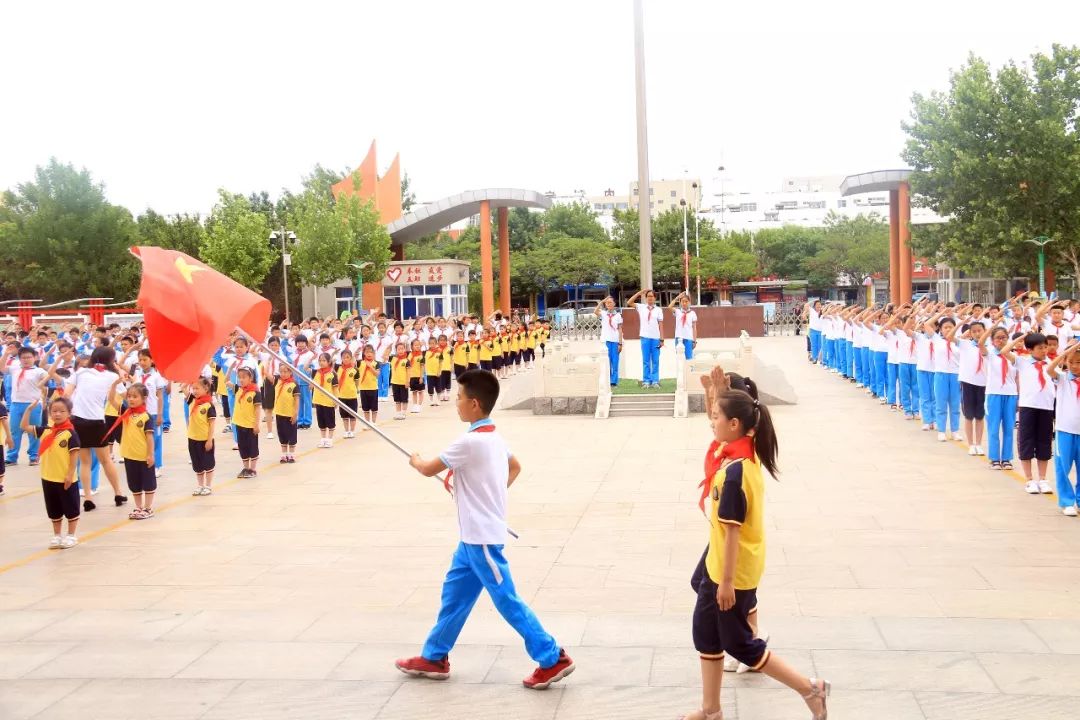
658	405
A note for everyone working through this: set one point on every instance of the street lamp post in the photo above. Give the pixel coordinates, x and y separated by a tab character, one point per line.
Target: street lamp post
697	239
685	245
286	259
644	209
1042	241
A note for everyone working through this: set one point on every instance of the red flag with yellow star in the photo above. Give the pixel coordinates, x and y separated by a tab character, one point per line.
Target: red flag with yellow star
190	309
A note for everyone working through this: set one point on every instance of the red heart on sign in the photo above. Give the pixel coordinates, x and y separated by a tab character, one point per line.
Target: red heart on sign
393	273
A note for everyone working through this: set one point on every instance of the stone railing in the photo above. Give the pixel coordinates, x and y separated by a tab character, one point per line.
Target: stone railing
569	380
689	395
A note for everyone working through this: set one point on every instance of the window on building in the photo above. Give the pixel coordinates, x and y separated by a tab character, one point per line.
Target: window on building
841	203
672	193
621	206
651	190
748	207
598	206
344	299
918	267
635	191
660	201
652	205
392	291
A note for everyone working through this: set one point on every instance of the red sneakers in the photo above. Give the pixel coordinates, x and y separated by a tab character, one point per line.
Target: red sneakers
542	678
422	667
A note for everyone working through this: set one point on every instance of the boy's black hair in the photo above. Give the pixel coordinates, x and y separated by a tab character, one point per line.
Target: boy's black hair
976	305
27	351
302	339
63	400
1034	340
1055	338
324	336
482	386
950	304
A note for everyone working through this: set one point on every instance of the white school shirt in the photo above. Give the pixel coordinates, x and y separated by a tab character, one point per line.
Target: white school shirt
972	364
1034	394
684	323
815	319
1064	332
304	361
24	387
998	382
650	320
909	349
924	359
946	356
480	461
878	343
232	363
610	322
153	382
892	341
1067	409
93	392
858	335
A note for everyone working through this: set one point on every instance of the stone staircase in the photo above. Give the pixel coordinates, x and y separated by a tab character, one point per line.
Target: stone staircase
654	405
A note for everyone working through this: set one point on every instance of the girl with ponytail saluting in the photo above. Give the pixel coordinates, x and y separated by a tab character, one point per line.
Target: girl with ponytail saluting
727	576
651	318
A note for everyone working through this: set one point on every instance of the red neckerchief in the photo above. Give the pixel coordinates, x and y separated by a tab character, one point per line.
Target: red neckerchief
685	314
931	351
978	368
1039	365
741	449
648	316
49	435
124	416
99	367
1051	355
246	390
911	351
948	352
1004	370
198	402
712	466
322	373
450	473
282	385
1076	380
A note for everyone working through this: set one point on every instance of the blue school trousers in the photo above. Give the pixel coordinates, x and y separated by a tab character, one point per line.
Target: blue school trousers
1066	456
166	410
650	360
864	366
303	414
17	411
1000	423
947	401
881	372
815	345
892	378
7	390
613	362
926	395
483	567
384	380
687	346
908	388
157	440
850	358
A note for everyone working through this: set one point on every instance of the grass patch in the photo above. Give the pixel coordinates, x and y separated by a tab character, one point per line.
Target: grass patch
633	387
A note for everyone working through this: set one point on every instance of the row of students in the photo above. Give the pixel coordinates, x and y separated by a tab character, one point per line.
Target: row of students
998	371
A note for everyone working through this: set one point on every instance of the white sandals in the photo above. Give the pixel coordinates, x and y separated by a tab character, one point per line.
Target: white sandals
819	689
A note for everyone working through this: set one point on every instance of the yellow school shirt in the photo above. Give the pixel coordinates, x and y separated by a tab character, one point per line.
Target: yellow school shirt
369	375
222	382
328	382
485	350
133	444
515	344
199	421
113	403
738	499
399	371
245	414
56	461
285	395
433	363
531	340
416	365
461	354
347	379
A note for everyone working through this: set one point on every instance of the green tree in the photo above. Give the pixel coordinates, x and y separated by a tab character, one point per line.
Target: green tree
783	252
175	232
853	250
723	259
61	239
999	156
408	197
526	226
237	241
334	233
576	220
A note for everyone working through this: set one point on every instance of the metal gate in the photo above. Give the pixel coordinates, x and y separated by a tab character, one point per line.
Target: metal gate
785	319
573	326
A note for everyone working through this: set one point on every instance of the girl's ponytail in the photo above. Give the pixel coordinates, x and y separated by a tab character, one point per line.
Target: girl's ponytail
755	419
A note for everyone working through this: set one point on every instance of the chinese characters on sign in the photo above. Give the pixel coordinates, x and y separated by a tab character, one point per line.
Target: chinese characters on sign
405	273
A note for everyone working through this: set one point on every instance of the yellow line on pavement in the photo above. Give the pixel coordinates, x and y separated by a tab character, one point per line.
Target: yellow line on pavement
1011	473
9	498
126	522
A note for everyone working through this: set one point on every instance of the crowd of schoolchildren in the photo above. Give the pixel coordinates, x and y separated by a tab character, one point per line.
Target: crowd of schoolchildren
89	398
970	372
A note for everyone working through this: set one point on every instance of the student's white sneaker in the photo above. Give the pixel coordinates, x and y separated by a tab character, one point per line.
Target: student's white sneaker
1069	511
941	437
1031	487
415	409
730	664
54	544
157	472
925	427
1044	488
979	450
269	436
69	541
972	450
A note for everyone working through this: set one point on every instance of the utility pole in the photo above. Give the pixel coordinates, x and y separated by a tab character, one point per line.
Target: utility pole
644	208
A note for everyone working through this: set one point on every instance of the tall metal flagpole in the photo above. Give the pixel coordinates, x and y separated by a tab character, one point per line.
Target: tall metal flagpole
644	204
301	374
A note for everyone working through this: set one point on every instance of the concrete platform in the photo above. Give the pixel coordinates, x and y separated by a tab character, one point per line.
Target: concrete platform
923	585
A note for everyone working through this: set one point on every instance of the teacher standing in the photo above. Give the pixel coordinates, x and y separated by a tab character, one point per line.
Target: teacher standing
650	317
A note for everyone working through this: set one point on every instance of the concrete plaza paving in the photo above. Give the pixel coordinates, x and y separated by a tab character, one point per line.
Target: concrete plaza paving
921	584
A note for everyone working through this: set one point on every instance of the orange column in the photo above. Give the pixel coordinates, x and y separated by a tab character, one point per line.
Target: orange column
906	261
894	247
487	278
504	260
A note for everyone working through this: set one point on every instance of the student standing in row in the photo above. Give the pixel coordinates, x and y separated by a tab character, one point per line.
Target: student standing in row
58	448
685	325
326	386
611	334
650	318
1001	392
246	421
286	409
200	433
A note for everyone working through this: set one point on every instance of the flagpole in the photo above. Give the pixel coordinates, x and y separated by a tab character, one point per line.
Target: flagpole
284	361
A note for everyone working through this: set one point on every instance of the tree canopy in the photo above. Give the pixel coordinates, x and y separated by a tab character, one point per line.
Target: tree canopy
237	242
998	154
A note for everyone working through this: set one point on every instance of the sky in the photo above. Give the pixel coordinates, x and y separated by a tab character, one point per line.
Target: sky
165	102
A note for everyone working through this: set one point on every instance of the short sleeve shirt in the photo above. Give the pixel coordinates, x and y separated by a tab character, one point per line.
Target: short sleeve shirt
738	494
480	461
610	322
56	461
650	317
684	323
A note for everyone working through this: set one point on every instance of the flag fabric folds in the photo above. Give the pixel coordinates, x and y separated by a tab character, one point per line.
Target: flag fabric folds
190	309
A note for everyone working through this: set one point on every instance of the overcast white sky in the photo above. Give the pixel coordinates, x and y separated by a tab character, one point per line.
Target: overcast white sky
166	101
